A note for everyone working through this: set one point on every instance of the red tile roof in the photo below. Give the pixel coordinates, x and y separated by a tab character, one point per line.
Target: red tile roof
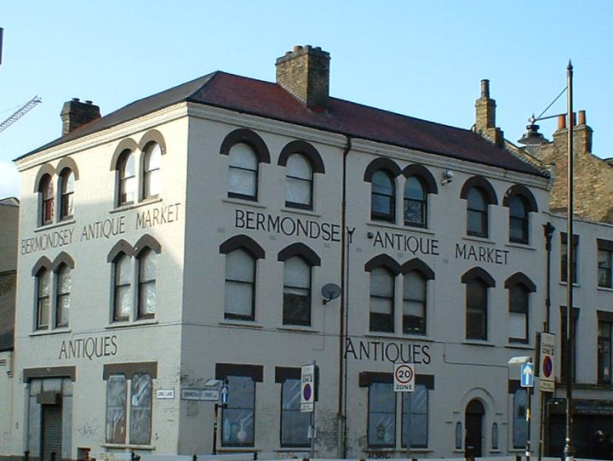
270	100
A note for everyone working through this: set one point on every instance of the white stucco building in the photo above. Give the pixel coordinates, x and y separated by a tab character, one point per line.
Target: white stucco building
187	237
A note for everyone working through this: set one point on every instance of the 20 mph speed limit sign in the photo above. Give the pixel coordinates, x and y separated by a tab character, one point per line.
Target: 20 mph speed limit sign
404	377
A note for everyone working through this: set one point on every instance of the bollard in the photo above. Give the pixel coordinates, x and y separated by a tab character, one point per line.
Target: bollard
195	457
53	456
26	455
255	455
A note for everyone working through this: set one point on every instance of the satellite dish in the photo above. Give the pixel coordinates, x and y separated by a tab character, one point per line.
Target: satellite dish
330	291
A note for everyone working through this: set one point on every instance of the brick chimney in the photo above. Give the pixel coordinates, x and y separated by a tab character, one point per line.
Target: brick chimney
582	134
76	114
305	72
485	124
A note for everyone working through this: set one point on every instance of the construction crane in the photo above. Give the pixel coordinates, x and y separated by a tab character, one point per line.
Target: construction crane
23	110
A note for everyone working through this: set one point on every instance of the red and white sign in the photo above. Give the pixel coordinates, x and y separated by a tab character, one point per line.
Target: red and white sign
547	371
404	377
307	390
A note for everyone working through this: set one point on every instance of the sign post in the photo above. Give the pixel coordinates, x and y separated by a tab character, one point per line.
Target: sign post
527	381
404	381
307	399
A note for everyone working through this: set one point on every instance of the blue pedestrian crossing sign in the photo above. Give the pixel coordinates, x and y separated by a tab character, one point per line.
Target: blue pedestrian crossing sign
527	375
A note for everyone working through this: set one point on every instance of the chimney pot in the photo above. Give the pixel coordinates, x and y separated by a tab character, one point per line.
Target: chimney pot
75	99
581	117
561	122
485	88
297	48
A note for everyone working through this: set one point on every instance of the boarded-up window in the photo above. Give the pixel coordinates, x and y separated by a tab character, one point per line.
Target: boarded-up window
116	392
140	409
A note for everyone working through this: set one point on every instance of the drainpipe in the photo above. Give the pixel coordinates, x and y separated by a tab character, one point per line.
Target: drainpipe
342	378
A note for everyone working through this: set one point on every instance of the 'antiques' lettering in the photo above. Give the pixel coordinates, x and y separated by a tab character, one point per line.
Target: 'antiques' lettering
91	347
287	225
157	216
410	243
481	254
390	352
43	242
108	228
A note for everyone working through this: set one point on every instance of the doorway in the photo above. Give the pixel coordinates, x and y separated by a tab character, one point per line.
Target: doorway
473	443
51	433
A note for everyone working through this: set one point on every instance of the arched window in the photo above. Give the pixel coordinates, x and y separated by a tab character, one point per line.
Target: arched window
147	270
518	313
152	159
127	178
62	299
43	299
122	299
414	303
296	292
415	203
47	200
243	172
518	220
67	179
381	300
477	220
299	182
476	309
240	286
383	197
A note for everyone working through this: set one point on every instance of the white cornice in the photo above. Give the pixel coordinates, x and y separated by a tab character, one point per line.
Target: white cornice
129	128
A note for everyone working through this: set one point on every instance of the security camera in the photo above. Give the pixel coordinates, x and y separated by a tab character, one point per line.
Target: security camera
447	177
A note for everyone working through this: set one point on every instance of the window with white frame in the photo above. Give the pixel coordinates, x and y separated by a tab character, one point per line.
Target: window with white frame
605	344
476	309
477	213
147	270
381	300
605	259
47	200
67	184
519	297
299	182
518	220
415	202
152	177
240	286
383	197
127	181
62	295
296	292
43	299
243	172
414	303
122	297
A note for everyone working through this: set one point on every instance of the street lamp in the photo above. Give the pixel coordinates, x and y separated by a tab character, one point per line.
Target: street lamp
530	139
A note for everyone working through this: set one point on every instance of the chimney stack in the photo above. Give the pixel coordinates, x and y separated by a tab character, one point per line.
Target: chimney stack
305	73
485	124
75	114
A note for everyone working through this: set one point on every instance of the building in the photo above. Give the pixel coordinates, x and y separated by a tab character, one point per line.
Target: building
9	214
183	241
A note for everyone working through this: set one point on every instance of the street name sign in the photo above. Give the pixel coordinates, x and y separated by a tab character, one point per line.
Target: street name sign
404	377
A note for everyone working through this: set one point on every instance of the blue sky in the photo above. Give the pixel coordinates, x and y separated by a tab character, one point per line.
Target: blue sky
420	58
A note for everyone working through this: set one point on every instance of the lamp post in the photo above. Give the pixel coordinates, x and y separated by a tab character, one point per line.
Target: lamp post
533	138
568	446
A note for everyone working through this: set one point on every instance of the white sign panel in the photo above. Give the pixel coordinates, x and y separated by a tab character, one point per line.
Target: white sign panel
547	371
404	377
165	394
307	389
211	395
